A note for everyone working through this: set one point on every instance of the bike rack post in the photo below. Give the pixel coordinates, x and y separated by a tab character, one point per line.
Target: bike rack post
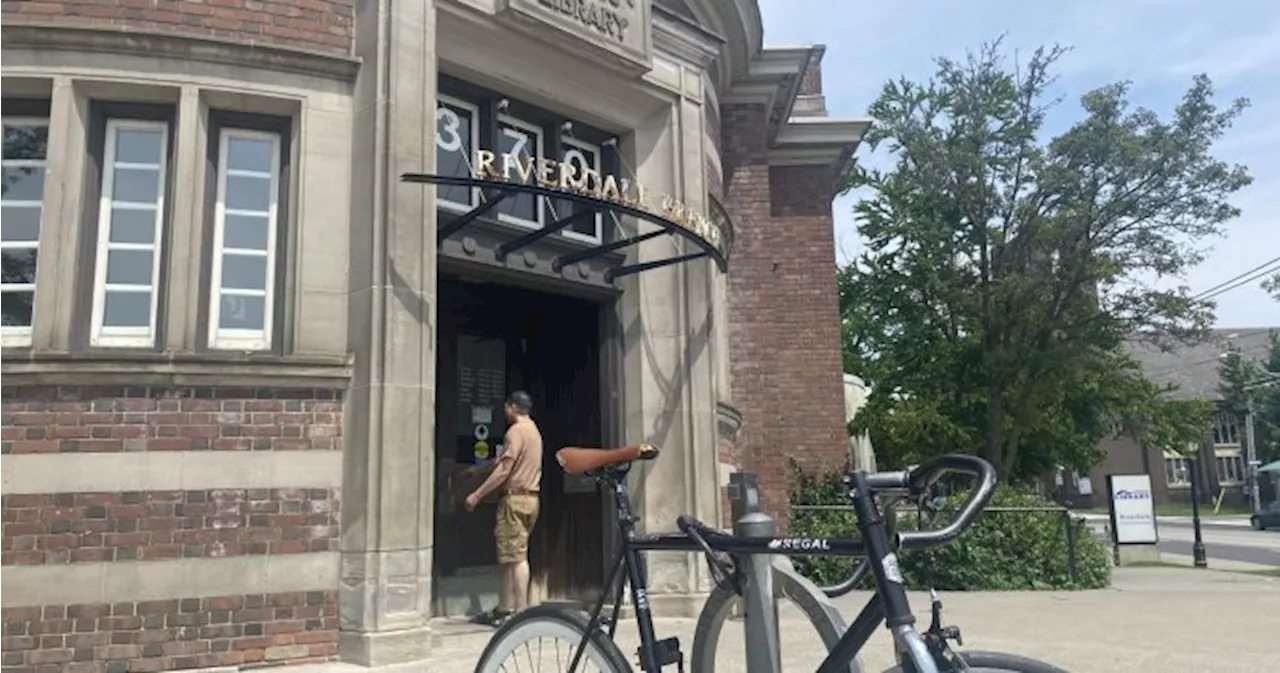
760	606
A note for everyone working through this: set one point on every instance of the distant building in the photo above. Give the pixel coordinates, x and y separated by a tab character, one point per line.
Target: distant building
1194	369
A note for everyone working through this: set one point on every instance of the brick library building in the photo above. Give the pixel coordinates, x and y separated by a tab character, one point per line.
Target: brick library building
242	432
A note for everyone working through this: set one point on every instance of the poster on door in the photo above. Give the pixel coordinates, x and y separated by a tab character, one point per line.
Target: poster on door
482	382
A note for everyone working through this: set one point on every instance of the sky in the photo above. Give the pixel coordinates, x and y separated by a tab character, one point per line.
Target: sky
1158	45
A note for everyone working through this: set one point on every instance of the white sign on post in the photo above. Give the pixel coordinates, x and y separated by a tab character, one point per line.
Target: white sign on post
1133	511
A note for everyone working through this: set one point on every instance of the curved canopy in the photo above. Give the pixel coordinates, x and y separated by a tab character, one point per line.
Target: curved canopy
712	235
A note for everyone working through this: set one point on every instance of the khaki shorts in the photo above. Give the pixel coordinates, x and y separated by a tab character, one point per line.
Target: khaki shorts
516	516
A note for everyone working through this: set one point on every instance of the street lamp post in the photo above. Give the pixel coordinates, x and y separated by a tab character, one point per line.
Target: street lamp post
1251	459
1197	547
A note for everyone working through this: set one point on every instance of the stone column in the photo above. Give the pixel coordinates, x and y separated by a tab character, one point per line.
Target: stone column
668	365
62	224
385	580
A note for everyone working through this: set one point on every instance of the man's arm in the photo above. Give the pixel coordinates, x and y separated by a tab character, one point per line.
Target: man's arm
502	467
497	478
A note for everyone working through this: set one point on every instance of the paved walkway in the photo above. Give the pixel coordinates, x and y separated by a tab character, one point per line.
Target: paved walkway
1152	619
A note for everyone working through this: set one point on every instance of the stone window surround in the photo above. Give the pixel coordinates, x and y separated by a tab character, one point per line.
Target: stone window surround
188	153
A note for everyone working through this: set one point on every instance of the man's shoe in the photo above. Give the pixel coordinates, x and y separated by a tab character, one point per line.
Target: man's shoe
494	618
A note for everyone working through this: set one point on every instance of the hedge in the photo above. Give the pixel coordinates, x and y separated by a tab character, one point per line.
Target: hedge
1001	551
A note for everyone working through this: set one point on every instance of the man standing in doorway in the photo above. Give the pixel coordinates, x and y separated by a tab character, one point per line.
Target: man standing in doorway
518	473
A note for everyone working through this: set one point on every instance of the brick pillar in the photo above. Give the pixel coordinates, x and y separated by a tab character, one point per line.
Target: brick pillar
809	381
746	190
785	359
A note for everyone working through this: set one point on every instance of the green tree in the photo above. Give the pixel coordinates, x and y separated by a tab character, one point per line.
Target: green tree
990	309
1242	382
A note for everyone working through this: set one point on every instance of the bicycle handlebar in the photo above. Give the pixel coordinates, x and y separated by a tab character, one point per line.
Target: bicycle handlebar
917	479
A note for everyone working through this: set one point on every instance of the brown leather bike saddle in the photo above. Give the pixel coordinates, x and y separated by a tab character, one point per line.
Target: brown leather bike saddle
576	459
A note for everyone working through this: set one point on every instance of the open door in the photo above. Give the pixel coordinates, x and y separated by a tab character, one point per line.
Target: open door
494	339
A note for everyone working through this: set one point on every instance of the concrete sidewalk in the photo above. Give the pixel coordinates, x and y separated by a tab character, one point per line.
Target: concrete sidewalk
1152	619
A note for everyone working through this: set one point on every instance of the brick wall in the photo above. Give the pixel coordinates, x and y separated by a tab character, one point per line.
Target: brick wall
782	299
86	527
73	419
45	529
811	83
178	633
314	25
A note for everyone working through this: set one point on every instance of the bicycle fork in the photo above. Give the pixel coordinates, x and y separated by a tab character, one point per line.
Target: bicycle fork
889	582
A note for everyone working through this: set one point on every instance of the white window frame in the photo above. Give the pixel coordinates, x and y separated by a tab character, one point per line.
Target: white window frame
244	339
127	337
1227	425
1233	457
537	154
1174	477
475	142
19	336
599	218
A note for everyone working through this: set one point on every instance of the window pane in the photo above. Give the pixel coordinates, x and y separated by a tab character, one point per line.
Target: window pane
130	225
136	185
127	309
523	146
248	193
23	183
21	223
129	267
246	232
137	146
15	307
453	150
244	272
582	160
19	265
249	154
236	312
25	142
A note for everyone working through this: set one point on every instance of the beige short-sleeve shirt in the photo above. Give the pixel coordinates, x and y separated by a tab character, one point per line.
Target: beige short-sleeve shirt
522	445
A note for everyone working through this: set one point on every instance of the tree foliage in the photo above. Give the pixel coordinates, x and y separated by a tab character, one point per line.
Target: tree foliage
1245	384
990	309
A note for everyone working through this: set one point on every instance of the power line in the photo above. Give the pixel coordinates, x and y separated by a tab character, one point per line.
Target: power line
1246	281
1219	289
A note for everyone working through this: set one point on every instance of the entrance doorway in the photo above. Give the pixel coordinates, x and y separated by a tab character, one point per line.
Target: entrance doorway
493	339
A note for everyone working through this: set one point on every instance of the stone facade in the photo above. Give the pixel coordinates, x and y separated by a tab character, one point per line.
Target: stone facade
187	487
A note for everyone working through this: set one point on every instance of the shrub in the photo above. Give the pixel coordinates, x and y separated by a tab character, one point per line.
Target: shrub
1003	550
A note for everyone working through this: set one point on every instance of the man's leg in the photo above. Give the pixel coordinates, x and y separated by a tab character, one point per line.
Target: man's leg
520	584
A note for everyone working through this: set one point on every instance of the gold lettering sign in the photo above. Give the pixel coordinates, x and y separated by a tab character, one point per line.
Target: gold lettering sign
568	177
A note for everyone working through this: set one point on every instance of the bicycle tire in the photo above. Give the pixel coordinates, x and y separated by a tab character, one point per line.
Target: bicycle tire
979	661
789	584
561	622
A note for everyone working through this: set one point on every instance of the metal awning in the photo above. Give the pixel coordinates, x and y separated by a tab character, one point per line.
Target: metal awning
713	236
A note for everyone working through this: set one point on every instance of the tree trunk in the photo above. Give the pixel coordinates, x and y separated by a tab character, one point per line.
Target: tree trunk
995	419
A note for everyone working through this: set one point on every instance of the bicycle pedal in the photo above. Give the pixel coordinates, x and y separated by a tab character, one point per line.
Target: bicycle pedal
667	652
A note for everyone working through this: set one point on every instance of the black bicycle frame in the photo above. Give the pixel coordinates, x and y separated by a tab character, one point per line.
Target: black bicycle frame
888	605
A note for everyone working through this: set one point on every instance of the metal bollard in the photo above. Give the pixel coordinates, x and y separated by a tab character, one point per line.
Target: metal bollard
760	606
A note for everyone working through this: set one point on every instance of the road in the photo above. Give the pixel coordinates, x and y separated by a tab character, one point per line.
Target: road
1229	543
1225	539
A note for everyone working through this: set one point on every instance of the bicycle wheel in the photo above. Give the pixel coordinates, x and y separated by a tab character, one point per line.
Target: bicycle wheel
544	638
995	662
788	584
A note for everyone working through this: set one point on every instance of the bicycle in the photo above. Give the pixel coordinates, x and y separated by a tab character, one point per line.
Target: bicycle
590	643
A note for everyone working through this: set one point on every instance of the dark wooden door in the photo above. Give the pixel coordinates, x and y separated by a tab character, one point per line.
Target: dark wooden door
562	373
